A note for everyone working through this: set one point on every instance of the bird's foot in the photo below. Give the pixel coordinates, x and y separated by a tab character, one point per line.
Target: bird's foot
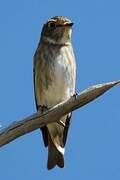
42	108
75	95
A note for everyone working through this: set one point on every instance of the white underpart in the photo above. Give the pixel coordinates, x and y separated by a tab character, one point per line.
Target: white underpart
52	41
62	87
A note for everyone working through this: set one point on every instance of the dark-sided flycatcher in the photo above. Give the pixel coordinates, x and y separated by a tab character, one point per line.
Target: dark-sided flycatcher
54	81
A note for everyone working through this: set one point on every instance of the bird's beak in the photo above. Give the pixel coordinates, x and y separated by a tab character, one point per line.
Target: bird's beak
69	24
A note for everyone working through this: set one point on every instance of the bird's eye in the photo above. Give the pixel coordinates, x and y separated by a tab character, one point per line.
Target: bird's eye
51	24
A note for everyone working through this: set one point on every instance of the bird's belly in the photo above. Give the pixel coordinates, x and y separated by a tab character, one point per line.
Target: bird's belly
56	94
61	86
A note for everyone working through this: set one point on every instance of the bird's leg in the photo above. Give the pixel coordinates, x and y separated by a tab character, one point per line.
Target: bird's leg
75	95
42	109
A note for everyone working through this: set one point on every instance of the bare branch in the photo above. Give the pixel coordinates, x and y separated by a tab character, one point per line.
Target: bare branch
39	120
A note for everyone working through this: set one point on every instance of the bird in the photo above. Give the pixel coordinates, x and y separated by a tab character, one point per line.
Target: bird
54	70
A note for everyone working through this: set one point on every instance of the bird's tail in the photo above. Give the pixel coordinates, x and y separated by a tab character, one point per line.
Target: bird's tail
55	157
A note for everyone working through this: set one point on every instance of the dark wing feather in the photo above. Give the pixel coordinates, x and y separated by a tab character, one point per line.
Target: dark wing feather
67	124
45	135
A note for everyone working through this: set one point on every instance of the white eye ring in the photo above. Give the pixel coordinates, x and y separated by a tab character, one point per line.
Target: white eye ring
51	24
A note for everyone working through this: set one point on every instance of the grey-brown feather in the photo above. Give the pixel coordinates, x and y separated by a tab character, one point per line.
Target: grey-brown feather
54	81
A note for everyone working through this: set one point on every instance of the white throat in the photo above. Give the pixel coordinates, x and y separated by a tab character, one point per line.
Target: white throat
52	41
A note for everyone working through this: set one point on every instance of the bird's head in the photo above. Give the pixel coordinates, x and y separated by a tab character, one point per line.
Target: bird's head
57	30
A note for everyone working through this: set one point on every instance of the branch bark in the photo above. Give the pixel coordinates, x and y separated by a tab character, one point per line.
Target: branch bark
38	120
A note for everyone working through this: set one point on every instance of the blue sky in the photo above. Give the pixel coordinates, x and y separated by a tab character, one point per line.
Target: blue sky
93	146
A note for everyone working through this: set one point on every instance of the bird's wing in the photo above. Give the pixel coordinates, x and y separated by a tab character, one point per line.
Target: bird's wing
43	129
67	124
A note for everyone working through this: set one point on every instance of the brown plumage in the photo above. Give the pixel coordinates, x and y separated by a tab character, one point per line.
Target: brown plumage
54	81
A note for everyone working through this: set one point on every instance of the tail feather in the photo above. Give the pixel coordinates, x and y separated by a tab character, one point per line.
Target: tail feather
54	156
